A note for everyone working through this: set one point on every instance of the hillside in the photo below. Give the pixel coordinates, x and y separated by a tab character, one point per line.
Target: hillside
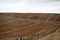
28	25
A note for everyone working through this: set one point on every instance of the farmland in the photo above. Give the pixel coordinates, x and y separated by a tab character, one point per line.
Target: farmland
33	26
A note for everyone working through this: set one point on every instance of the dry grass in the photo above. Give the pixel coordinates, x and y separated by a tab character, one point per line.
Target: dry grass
35	26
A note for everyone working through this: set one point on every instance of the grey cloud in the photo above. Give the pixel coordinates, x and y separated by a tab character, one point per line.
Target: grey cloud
41	1
9	1
30	1
50	0
57	10
43	5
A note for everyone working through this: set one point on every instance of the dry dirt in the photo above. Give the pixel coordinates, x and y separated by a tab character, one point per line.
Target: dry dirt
33	26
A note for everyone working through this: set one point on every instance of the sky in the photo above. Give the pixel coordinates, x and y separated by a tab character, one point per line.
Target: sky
40	6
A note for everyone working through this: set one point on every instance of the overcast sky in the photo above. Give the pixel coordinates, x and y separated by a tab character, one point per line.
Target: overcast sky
30	6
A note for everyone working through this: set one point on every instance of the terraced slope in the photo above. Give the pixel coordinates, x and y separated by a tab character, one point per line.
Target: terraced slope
23	24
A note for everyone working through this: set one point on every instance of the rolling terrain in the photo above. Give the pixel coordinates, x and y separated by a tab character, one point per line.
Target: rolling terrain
29	26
